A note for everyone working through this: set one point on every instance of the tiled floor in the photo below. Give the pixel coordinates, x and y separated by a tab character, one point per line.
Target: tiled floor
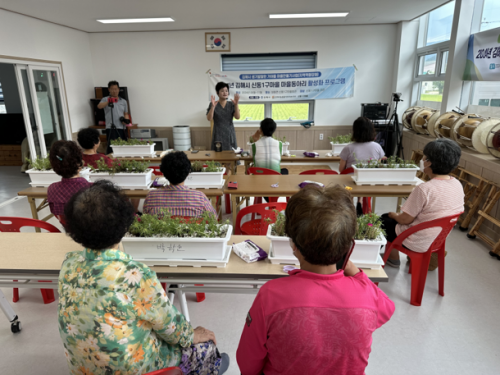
457	334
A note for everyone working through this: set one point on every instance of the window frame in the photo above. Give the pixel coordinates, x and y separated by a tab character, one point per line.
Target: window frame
268	112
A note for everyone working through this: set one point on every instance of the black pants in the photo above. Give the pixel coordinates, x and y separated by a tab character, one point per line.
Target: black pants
389	225
112	134
284	171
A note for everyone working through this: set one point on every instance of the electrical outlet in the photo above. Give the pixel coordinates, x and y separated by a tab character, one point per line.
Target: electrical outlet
321	137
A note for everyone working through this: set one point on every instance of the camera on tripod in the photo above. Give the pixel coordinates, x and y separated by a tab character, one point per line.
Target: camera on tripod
396	96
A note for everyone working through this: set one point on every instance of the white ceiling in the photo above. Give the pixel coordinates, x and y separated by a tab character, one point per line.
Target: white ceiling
215	14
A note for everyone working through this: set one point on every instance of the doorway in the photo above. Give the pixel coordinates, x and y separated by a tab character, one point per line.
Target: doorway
33	108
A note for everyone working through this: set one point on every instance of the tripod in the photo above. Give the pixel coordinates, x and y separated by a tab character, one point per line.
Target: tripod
113	130
394	121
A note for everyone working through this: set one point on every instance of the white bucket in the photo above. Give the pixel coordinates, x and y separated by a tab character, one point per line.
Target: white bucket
182	137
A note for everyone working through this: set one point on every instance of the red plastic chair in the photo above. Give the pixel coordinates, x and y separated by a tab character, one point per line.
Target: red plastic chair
167	371
16	223
156	170
62	219
257	227
367	201
419	262
319	171
348	171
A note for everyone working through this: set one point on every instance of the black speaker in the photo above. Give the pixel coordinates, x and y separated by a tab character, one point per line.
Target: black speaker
374	111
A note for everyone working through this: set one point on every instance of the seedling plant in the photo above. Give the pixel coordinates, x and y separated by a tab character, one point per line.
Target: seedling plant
39	164
341	139
120	166
165	225
369	227
130	142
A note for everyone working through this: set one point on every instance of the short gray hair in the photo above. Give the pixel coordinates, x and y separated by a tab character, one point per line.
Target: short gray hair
444	155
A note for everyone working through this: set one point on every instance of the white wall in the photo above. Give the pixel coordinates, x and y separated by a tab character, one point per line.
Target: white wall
165	71
27	37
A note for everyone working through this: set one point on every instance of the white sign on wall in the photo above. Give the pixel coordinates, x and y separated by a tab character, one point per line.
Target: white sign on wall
287	85
483	57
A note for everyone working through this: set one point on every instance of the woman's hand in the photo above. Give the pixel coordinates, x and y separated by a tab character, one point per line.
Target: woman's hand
392	215
213	101
236	99
203	335
257	135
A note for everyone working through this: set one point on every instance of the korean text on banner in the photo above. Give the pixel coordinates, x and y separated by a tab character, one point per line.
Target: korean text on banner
483	57
294	85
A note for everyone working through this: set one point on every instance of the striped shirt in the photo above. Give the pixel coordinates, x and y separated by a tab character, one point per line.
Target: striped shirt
179	200
432	200
267	153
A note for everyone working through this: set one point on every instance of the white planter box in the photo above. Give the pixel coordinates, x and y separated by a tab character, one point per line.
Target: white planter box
385	175
205	179
135	150
284	147
337	148
45	178
281	245
148	249
125	180
367	251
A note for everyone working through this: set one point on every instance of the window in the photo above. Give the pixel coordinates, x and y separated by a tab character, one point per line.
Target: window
439	23
278	111
291	112
490	18
432	54
431	91
268	61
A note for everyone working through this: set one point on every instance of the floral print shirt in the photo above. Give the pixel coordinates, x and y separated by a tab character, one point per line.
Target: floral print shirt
115	317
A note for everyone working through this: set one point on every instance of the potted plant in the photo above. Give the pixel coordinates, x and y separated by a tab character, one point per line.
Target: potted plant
42	175
156	238
369	239
128	174
284	145
132	147
206	175
393	170
339	142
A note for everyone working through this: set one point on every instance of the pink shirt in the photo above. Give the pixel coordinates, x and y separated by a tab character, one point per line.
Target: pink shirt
430	201
312	324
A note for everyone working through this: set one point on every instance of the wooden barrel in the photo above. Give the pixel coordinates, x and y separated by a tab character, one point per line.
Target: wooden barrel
444	124
480	135
420	120
431	125
408	115
493	141
464	127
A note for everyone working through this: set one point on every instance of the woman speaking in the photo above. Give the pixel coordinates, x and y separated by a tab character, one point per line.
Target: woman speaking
222	113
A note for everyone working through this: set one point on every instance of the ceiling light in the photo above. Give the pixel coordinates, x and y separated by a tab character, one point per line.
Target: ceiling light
137	20
310	15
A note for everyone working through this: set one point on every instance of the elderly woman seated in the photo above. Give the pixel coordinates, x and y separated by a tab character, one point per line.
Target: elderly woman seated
442	196
319	320
177	198
114	316
89	140
66	160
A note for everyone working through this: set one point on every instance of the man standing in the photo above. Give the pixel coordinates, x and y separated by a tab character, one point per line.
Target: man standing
115	111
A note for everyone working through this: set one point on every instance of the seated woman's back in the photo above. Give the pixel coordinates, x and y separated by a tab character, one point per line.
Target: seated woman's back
108	300
314	324
361	151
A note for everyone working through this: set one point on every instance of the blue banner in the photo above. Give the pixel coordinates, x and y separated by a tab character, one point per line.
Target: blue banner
287	85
